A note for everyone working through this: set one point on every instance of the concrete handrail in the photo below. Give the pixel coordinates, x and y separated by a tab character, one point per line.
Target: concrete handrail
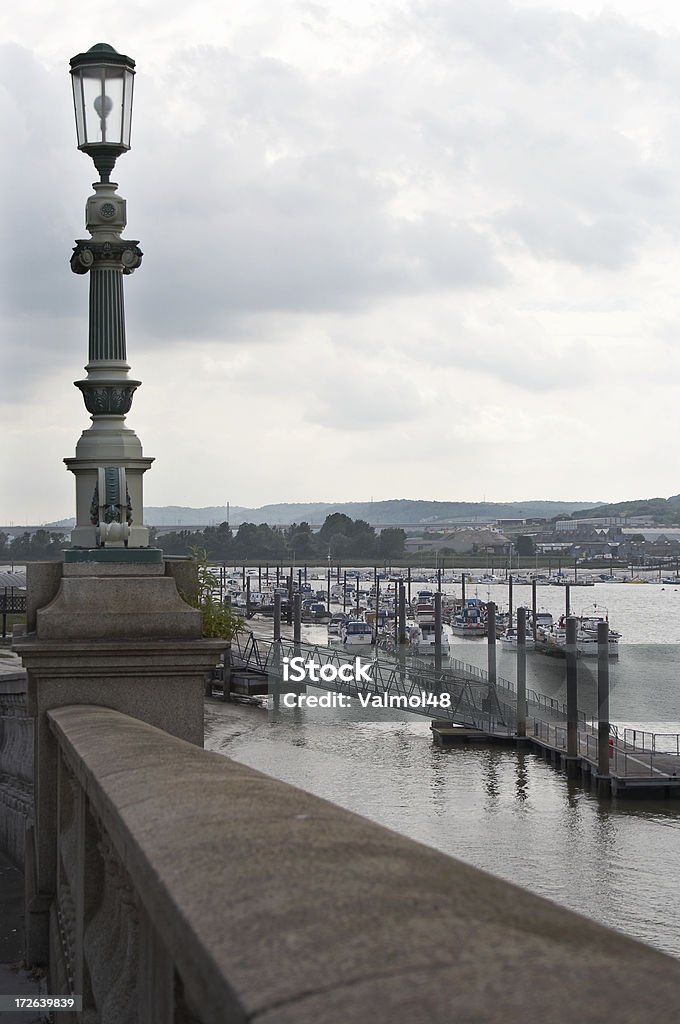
247	899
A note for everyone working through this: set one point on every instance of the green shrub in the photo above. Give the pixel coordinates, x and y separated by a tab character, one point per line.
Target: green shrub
218	619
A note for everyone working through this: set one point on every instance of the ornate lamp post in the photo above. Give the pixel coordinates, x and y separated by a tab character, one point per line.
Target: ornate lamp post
114	635
109	463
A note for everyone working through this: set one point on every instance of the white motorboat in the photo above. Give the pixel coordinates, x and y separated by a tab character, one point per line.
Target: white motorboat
553	639
509	639
423	608
425	643
335	624
357	633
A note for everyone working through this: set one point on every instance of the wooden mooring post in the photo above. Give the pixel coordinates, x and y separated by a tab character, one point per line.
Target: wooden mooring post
572	695
277	617
277	666
438	631
297	621
510	601
402	613
521	671
462	586
603	749
534	608
491	641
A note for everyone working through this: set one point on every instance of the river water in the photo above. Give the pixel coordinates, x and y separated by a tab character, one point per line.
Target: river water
503	810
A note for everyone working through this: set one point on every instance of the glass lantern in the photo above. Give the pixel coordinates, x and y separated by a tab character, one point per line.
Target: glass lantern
102	96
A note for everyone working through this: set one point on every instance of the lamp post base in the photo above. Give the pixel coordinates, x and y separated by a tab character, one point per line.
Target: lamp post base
148	555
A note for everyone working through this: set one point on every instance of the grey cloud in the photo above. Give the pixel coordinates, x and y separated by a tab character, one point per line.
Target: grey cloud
513	351
34	259
315	236
360	396
544	44
257	188
608	242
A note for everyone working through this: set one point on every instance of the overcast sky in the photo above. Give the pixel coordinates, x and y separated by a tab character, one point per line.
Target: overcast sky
394	249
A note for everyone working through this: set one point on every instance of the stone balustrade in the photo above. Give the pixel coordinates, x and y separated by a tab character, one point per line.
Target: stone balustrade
16	767
193	889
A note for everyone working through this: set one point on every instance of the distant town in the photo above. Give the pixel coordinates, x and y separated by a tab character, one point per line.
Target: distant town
644	532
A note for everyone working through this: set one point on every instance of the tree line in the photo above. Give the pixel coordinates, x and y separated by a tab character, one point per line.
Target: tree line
340	537
41	546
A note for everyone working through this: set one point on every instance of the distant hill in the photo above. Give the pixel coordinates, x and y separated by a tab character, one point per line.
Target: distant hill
401	511
666	511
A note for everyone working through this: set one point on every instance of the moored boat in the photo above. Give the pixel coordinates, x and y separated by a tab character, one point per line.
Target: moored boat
510	641
357	633
553	639
470	621
425	642
335	624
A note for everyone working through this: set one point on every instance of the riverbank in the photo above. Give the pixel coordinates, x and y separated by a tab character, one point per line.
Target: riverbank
502	810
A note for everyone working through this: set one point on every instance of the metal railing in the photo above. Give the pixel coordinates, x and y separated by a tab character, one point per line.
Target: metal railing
473	701
656	742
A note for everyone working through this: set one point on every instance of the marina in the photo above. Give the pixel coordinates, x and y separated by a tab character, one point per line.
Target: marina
514	810
633	759
469	798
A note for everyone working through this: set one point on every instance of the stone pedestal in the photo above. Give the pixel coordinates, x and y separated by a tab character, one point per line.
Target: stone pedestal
112	634
108	442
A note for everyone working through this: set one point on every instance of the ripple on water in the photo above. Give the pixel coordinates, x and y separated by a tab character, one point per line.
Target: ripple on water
504	811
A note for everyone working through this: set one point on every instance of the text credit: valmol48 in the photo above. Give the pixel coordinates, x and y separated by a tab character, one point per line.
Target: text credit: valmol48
297	670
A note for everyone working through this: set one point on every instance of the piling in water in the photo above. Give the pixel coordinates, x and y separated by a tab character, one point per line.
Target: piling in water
603	699
521	671
297	621
438	631
572	689
491	641
277	616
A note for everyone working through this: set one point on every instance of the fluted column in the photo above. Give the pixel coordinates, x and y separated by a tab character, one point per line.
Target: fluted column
107	312
108	389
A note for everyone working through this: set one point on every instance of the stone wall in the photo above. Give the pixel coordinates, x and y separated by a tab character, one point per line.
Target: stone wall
16	767
112	633
193	888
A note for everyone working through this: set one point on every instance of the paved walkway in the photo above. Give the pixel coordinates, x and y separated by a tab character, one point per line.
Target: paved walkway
14	980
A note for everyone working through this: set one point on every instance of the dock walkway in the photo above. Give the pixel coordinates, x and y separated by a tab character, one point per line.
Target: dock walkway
645	763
